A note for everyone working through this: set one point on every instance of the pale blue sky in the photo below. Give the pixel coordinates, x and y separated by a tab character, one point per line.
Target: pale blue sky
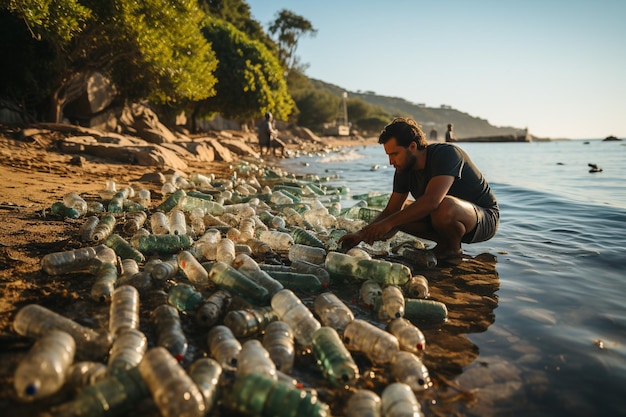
557	67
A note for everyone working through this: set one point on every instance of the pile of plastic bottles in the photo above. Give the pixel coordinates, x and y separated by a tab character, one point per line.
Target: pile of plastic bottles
237	257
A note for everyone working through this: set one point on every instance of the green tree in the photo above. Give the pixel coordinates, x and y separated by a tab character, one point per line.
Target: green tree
316	107
250	77
288	28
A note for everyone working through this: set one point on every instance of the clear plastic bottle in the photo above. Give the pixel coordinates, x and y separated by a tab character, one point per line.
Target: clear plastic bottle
378	345
196	218
209	313
189	203
143	197
425	311
332	311
166	269
407	368
246	227
363	403
129	268
392	303
279	241
169	331
293	218
59	263
410	337
259	248
291	310
85	373
76	202
191	267
134	222
104	283
417	287
42	371
178	223
369	292
123	249
333	358
35	321
383	272
250	322
173	391
184	297
109	190
397	400
244	263
223	346
127	351
420	257
358	253
278	340
104	228
253	358
160	223
87	229
225	251
319	271
299	252
124	309
227	277
206	372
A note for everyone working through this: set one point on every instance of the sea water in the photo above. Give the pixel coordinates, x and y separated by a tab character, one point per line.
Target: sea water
557	346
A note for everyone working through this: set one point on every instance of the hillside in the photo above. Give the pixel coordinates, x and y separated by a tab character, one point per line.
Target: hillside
465	125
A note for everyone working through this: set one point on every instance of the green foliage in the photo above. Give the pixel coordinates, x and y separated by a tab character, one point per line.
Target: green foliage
288	28
251	79
316	107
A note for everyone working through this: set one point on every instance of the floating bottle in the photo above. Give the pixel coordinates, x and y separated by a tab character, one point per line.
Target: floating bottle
171	201
160	223
397	400
205	373
378	345
178	223
192	268
392	303
279	241
363	403
383	272
85	373
184	297
127	351
425	311
410	337
223	346
173	391
104	228
227	277
166	269
104	283
291	310
333	358
258	395
407	368
209	313
278	340
296	281
163	244
250	322
169	331
369	292
124	309
253	358
134	222
123	249
417	287
42	371
35	321
332	311
311	254
87	229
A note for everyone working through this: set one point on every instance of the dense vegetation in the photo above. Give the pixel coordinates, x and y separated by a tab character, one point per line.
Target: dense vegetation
204	57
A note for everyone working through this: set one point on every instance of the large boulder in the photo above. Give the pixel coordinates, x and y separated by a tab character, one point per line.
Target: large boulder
141	121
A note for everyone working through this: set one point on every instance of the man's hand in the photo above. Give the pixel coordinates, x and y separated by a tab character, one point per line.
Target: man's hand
350	240
376	231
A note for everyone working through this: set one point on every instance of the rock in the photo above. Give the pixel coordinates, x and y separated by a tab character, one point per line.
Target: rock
306	134
239	148
221	152
98	93
200	150
143	122
159	156
77	160
153	177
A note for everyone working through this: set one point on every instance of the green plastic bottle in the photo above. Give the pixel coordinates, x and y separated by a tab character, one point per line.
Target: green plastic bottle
425	311
333	358
123	249
340	266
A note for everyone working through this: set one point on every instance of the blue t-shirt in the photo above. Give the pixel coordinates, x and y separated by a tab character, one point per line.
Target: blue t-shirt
447	159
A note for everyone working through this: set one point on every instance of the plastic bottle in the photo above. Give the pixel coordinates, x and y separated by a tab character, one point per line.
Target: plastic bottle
291	310
369	292
171	201
124	309
332	311
333	358
189	203
123	249
419	257
196	217
259	248
173	391
392	303
109	190
253	358
134	222
378	345
42	371
104	228
170	334
35	321
73	200
87	229
279	241
223	346
246	227
258	395
363	403
205	373
192	268
178	223
143	197
116	204
104	283
163	244
250	322
410	338
245	264
61	210
397	400
128	269
278	340
383	272
314	255
166	269
127	351
358	253
209	313
58	263
184	297
298	282
85	373
425	311
225	251
417	287
319	271
227	277
407	368
304	237
160	223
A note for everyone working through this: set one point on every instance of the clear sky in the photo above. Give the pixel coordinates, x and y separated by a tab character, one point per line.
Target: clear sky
557	67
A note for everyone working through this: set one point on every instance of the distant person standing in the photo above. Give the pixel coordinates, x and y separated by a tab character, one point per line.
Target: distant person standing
267	132
450	133
434	136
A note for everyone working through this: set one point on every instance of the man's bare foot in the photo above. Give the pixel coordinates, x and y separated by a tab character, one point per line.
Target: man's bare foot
446	255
